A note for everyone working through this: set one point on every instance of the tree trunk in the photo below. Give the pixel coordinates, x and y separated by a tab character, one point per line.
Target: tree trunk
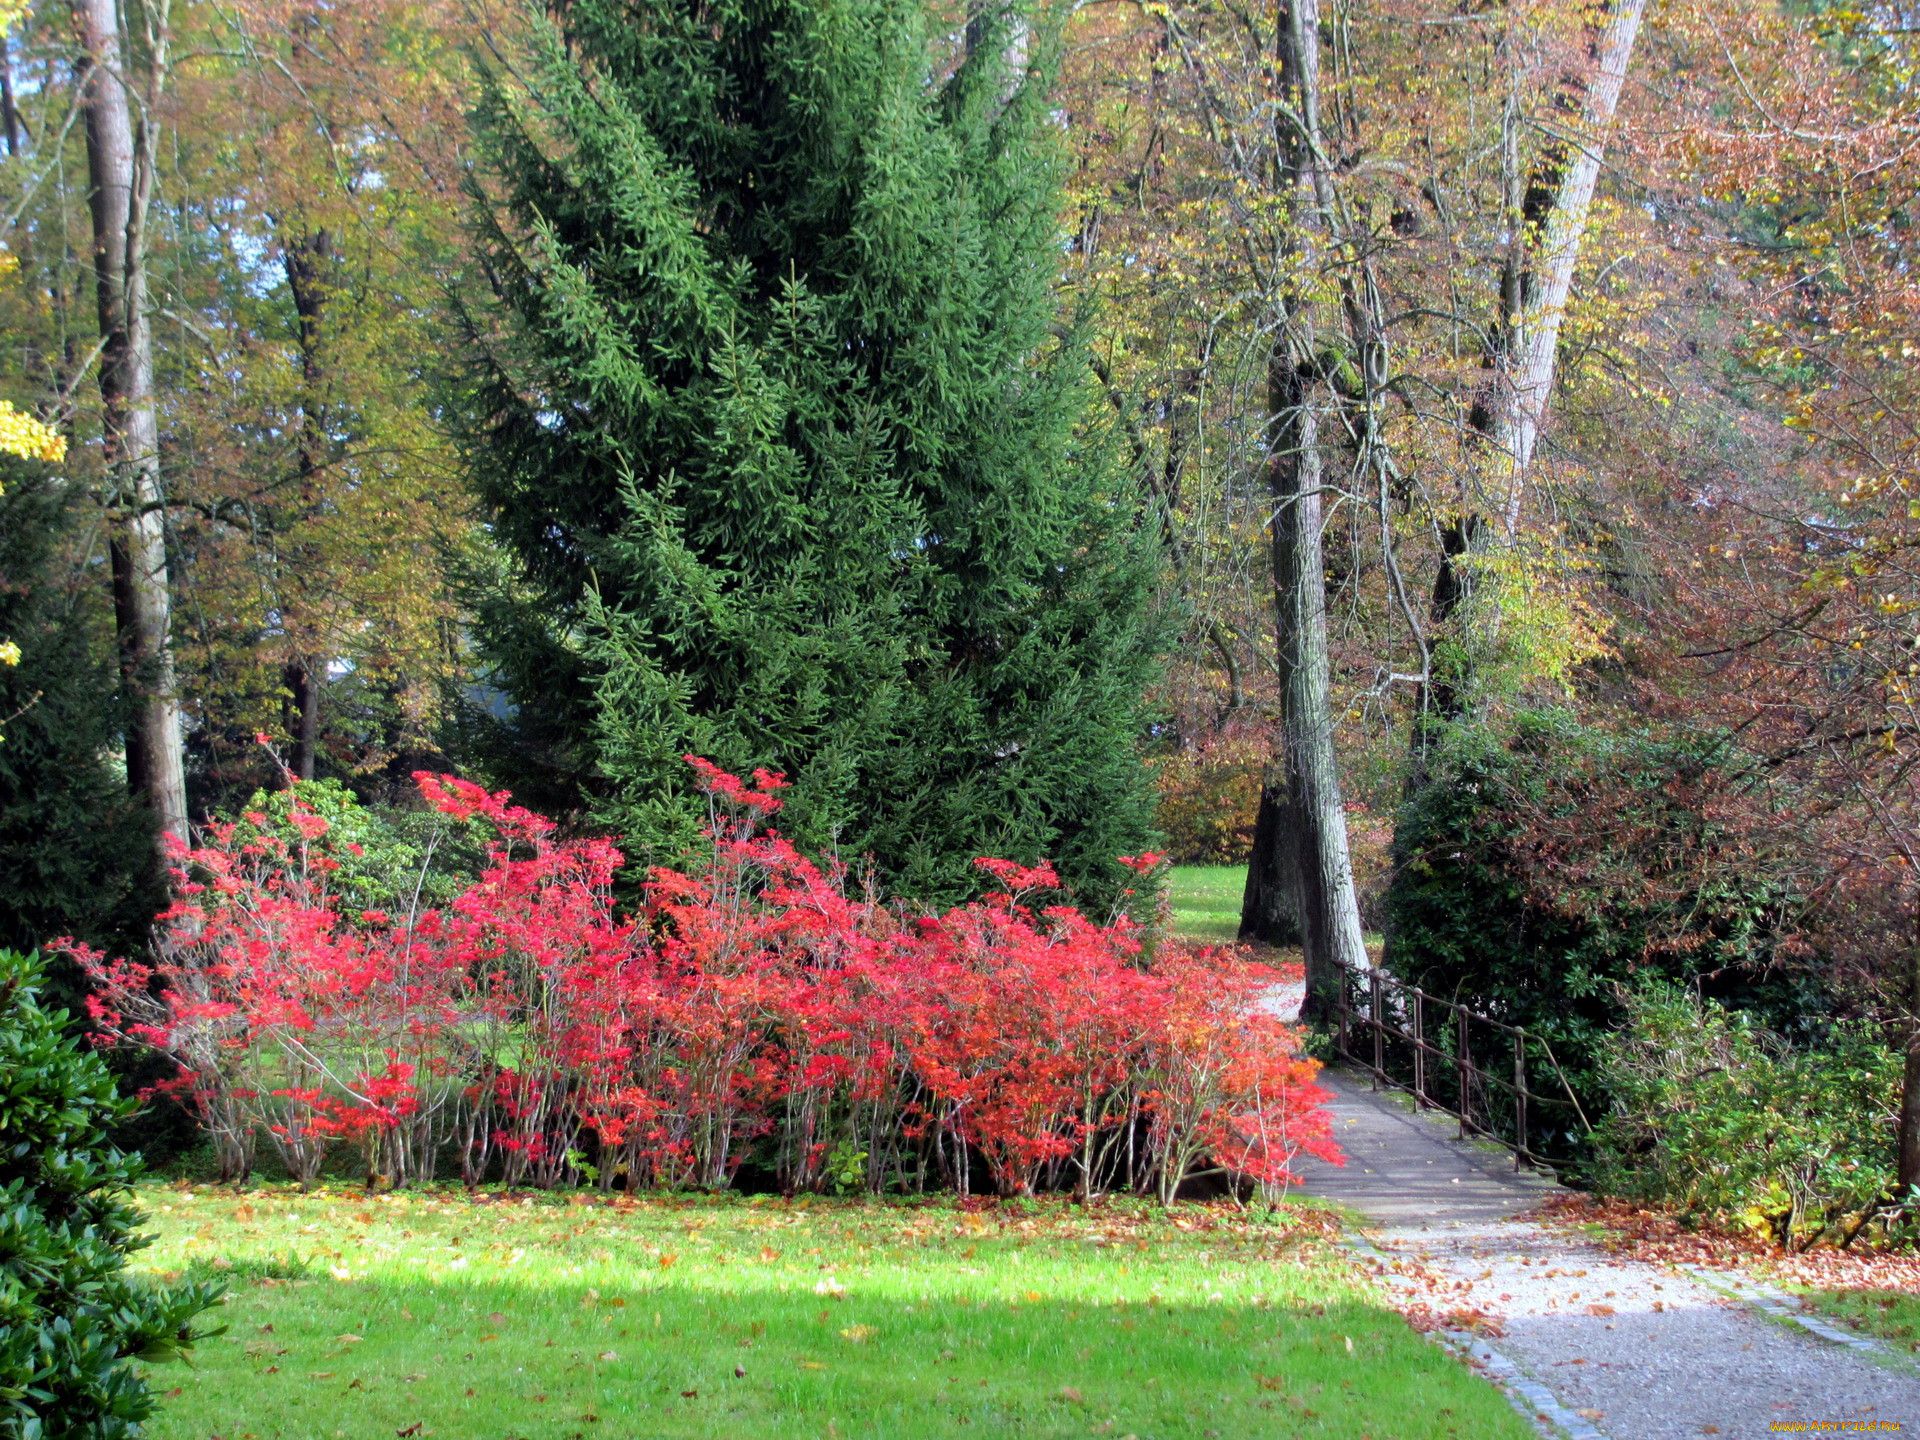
1306	833
1314	811
1525	379
1909	1167
1270	905
10	120
119	174
303	717
309	264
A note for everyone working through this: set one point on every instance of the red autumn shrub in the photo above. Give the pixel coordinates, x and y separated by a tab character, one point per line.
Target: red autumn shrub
758	1007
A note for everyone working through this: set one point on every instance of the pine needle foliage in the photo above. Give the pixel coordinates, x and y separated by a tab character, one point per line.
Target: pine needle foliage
792	457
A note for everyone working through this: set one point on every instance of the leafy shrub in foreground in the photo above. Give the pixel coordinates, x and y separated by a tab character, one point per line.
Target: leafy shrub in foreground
754	1007
72	1323
1717	1117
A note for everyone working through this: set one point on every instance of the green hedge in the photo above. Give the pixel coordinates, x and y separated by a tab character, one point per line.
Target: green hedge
73	1323
1719	1118
1548	864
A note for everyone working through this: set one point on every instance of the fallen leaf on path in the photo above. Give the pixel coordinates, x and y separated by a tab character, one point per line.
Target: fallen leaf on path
1599	1310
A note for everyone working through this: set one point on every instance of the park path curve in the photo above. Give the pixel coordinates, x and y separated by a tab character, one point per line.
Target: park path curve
1594	1345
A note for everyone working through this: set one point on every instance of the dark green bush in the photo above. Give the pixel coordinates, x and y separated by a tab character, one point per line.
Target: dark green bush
72	1321
1714	1115
1544	867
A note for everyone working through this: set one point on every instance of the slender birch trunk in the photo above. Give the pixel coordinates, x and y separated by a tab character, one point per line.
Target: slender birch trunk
1549	226
120	174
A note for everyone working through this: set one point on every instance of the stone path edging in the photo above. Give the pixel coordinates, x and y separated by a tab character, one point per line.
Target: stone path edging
1585	1343
1531	1400
1776	1304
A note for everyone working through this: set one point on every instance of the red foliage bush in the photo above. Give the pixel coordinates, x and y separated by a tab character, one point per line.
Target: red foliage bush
539	1033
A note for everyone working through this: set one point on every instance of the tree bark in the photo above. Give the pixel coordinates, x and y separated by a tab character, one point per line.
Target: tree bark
1300	842
1270	905
1909	1162
1314	812
309	263
1525	378
1548	216
119	172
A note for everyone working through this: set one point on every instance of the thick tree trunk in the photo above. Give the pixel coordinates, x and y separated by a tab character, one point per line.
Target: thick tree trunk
119	185
1307	832
1315	812
1270	905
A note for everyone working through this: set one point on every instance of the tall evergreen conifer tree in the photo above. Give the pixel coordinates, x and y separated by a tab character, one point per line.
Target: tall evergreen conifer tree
791	458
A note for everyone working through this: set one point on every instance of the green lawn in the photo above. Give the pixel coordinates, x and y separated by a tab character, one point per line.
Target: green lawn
1893	1315
1206	900
734	1319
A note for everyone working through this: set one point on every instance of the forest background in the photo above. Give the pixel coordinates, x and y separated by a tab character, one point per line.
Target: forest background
1602	502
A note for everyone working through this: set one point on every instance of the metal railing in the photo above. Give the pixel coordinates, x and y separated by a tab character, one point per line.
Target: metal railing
1452	1058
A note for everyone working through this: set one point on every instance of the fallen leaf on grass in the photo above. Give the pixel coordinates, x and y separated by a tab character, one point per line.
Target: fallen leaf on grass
1070	1395
859	1334
667	1259
609	1354
320	1374
413	1429
1034	1297
811	1365
689	1394
769	1254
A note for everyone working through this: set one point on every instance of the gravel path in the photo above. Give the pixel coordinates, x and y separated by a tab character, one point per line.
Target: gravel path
1629	1351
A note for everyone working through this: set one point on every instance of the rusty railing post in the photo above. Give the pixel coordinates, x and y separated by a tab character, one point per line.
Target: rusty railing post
1419	1052
1340	1014
1379	1031
1466	1065
1520	1098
